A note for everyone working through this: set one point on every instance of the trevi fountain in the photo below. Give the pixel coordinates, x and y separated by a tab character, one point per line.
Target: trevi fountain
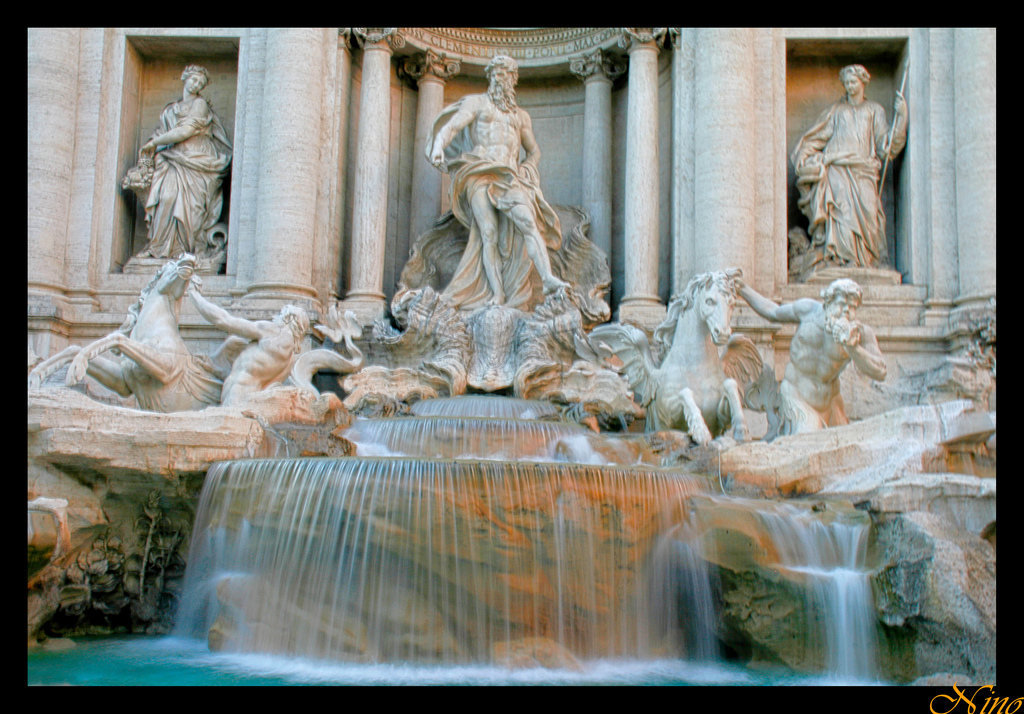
512	356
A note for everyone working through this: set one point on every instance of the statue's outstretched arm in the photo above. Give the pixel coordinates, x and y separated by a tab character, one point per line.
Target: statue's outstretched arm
221	318
768	309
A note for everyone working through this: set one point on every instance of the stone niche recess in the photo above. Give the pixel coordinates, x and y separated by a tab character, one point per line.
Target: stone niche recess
152	80
812	85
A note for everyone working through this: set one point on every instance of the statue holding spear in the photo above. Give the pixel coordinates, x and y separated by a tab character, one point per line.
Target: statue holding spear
838	164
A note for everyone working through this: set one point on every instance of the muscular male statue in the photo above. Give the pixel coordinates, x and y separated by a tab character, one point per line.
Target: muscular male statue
827	338
477	140
269	356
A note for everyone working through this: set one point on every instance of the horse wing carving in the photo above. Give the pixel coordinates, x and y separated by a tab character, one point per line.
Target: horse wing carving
631	346
741	360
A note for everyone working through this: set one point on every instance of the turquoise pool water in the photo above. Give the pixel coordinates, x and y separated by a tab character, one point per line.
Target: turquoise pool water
173	661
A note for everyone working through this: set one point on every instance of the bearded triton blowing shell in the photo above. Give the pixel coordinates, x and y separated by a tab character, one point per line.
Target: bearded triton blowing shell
827	338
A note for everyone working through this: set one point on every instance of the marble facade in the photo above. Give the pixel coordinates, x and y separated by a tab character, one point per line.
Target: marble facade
675	140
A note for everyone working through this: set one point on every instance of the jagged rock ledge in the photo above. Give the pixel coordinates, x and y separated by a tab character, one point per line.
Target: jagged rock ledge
132	479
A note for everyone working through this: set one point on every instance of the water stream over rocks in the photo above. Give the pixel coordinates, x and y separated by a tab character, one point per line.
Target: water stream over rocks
456	539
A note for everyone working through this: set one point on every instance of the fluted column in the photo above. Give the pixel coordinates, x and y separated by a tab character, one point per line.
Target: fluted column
598	70
641	302
682	157
725	182
974	68
52	104
370	202
289	164
431	71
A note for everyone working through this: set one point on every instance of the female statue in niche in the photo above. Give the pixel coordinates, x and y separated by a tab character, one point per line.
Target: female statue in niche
838	163
189	154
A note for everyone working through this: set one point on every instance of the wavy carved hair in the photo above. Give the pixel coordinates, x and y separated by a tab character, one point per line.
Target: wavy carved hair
857	70
196	69
665	333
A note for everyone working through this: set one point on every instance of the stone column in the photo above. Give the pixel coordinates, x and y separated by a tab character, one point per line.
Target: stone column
430	71
289	164
598	70
974	67
370	202
725	178
333	270
52	105
641	301
682	157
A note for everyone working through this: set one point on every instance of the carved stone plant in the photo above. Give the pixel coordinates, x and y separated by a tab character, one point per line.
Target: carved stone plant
108	590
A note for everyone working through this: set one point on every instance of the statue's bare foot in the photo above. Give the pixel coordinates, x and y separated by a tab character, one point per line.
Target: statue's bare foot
497	299
551	284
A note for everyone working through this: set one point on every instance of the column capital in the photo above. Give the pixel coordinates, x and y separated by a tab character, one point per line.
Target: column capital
597	63
431	65
636	37
675	36
378	38
344	37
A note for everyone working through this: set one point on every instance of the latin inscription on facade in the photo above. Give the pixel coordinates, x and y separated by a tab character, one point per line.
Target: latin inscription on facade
515	45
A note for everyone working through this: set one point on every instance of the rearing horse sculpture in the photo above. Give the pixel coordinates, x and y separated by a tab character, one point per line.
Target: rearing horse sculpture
156	365
693	389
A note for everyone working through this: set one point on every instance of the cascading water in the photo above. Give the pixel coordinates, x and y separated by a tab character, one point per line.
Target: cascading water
832	556
454	552
426	560
822	552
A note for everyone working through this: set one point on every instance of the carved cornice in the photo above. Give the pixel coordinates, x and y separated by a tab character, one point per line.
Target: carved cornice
377	36
430	64
529	47
633	37
597	62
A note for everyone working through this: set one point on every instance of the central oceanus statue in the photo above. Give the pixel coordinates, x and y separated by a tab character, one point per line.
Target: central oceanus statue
155	364
693	388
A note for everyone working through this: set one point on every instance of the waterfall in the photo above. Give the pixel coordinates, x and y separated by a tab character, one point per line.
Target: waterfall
832	555
820	553
460	437
482	524
427	560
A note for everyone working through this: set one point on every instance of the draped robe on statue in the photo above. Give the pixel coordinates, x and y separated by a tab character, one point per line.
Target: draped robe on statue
506	188
838	162
186	196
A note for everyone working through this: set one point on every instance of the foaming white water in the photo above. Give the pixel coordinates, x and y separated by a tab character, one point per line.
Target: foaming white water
370	449
613	671
577	449
447	437
161	661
